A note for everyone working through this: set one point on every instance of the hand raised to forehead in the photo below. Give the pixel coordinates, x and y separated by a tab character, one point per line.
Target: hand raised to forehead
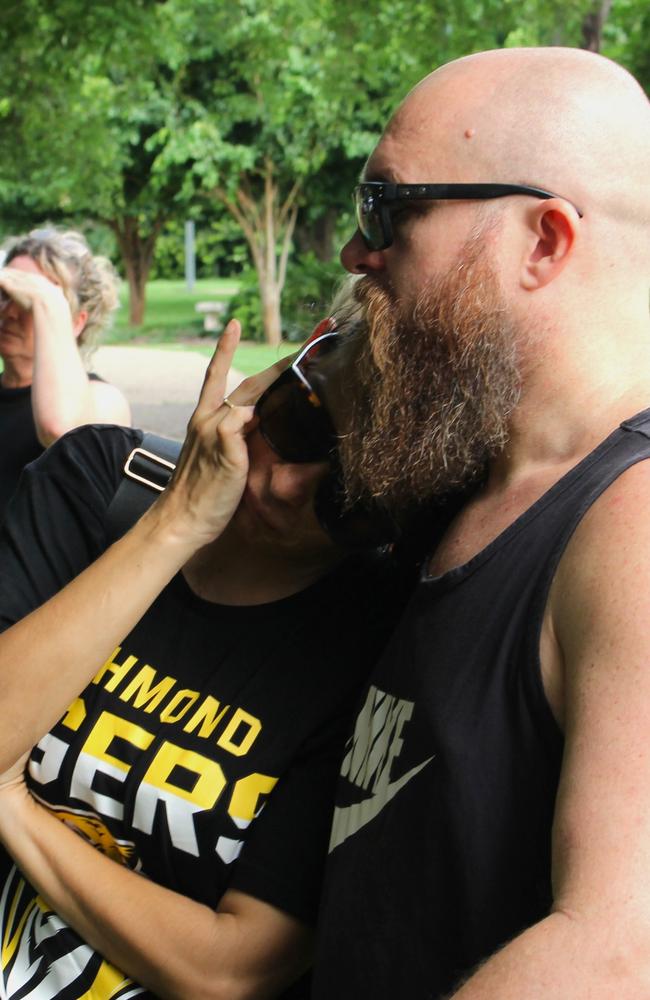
26	288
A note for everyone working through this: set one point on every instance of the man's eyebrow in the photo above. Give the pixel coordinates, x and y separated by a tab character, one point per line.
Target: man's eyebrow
384	176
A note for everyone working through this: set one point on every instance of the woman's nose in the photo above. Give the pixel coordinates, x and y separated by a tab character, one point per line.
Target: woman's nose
11	310
296	483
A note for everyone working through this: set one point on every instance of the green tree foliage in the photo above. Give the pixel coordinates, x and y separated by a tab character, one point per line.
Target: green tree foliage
85	91
627	37
133	111
258	114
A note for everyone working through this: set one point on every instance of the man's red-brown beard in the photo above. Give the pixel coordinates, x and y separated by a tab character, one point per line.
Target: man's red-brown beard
433	386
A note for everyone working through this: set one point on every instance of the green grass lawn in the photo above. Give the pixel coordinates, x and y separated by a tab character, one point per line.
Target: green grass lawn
171	321
170	314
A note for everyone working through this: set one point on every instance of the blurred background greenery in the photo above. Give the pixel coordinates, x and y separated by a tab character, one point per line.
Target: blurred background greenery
251	120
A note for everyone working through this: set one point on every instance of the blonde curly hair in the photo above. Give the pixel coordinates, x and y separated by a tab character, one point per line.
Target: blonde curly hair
90	283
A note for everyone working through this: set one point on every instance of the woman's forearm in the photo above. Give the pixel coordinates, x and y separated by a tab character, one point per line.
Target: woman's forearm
62	396
175	947
56	650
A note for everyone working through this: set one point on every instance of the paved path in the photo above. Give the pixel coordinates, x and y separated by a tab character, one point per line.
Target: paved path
161	386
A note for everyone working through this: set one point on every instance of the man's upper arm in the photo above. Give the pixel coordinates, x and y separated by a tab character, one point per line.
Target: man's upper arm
600	611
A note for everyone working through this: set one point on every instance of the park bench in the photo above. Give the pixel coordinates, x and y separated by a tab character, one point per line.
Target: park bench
212	313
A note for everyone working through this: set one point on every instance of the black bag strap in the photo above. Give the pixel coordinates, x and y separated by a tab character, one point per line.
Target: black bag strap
146	473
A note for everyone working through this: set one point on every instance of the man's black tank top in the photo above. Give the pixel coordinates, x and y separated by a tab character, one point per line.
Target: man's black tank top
441	844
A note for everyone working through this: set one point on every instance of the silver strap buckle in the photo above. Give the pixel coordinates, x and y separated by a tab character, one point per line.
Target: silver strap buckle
156	460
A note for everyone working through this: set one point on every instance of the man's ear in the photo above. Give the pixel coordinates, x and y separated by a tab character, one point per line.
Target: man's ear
554	224
79	322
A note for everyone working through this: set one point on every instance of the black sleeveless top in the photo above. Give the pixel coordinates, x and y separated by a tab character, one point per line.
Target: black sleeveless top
441	844
19	442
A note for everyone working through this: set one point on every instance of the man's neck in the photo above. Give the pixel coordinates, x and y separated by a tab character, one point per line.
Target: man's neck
550	433
554	432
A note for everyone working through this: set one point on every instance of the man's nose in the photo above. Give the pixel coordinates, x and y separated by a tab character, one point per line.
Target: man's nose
358	259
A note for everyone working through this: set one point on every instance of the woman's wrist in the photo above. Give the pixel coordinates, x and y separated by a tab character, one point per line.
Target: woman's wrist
192	513
16	806
51	311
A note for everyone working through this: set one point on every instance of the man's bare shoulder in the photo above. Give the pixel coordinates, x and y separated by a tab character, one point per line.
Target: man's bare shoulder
614	533
599	606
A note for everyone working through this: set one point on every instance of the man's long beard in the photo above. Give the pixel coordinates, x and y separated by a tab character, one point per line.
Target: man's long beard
432	389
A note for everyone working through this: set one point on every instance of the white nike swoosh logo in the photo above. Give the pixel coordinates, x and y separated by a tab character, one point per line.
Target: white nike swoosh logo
348	820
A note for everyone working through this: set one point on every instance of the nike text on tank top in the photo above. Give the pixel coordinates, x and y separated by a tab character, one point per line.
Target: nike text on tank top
441	844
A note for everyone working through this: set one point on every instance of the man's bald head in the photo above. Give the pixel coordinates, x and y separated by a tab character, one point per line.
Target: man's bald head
563	119
506	320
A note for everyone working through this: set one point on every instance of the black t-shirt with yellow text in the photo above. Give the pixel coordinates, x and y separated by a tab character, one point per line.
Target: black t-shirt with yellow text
203	753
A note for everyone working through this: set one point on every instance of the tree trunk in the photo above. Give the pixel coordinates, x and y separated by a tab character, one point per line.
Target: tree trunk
137	256
592	25
266	221
137	283
271	317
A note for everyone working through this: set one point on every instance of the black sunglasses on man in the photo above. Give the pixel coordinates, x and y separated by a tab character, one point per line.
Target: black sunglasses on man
375	200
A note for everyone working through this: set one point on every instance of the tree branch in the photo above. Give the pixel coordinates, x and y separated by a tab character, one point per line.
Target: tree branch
247	228
290	199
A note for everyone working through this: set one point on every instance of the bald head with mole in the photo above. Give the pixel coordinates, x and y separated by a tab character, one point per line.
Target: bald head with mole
566	120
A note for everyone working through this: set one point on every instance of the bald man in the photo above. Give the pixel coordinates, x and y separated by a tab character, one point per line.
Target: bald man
491	838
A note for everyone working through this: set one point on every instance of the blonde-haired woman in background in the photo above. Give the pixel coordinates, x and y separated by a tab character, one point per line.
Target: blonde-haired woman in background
57	297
